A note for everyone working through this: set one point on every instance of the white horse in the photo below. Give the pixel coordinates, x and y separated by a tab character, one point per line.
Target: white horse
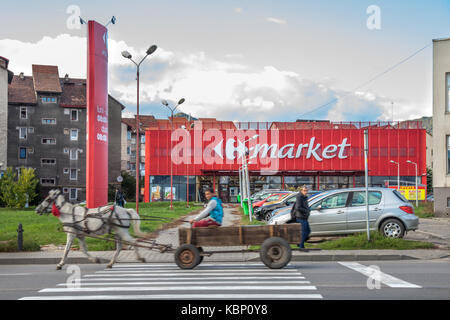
79	221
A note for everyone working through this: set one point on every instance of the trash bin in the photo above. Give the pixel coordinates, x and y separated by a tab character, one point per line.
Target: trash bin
239	198
245	203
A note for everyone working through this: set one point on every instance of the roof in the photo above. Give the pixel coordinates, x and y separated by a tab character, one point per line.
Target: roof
46	79
24	89
73	93
21	91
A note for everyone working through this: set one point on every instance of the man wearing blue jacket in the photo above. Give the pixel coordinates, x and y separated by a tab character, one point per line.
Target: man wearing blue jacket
212	215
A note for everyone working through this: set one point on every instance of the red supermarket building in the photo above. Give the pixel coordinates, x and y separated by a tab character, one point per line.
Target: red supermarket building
320	154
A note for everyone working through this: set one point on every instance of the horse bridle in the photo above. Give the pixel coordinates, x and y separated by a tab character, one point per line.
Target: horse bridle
50	202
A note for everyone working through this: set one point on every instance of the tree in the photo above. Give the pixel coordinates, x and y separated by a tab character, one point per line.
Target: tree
429	180
15	193
128	186
8	188
27	183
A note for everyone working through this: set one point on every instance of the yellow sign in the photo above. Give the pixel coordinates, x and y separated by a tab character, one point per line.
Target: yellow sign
409	192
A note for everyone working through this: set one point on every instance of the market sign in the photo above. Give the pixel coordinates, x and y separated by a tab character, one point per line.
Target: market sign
97	116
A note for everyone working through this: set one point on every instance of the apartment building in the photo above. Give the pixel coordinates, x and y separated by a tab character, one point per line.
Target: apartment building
46	129
441	126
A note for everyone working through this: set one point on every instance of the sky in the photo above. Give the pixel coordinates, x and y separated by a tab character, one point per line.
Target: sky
245	60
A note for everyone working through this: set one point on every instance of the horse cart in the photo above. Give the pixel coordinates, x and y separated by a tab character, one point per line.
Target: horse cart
275	240
114	222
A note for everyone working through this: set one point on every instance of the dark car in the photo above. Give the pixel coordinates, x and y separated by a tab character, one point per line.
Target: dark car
265	212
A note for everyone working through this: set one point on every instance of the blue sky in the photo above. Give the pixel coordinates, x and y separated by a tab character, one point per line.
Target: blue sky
245	60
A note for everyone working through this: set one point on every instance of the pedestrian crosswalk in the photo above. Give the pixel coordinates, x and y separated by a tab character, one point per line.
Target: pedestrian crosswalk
250	281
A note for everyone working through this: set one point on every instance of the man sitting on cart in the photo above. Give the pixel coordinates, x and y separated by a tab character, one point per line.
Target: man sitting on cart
212	215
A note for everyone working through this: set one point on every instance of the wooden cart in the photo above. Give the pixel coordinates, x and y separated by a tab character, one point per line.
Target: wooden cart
275	242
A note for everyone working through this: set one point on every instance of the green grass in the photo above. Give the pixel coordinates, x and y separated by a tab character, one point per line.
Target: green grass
424	210
46	229
377	241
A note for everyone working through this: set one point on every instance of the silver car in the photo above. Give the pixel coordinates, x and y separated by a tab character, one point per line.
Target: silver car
343	211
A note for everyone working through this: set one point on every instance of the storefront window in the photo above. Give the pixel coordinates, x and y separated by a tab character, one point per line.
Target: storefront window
160	188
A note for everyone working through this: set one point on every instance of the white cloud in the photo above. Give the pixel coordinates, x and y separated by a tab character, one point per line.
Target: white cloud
212	88
238	10
276	20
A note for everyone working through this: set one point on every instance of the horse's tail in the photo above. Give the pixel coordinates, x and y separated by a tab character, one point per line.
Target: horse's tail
136	222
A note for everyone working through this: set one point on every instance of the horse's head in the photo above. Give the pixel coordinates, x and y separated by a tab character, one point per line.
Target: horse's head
46	205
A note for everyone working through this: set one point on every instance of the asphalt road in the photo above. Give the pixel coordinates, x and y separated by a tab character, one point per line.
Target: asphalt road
386	280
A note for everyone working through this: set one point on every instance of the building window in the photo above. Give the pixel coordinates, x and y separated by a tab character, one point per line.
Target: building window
73	154
65	190
48	100
23	113
48	141
22	153
73	195
129	135
448	154
73	174
48	161
73	134
74	115
66	170
48	121
448	202
48	181
22	133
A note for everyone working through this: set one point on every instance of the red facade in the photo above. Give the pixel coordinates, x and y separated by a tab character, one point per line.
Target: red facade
311	150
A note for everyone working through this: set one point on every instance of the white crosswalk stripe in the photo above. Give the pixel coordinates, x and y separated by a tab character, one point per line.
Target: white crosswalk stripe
250	281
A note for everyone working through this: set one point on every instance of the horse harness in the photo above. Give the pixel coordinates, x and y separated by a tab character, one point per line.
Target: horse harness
107	216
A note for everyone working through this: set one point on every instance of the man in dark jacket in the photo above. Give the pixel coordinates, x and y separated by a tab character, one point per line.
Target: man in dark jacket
300	212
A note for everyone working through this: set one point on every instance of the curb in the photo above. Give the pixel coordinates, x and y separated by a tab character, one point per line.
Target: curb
303	257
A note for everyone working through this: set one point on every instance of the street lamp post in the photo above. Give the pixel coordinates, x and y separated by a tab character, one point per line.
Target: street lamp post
187	167
398	174
127	55
246	176
417	189
165	103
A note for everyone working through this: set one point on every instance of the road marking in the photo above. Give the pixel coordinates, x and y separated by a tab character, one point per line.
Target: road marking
131	270
179	288
179	283
168	265
189	296
379	276
106	274
15	274
181	279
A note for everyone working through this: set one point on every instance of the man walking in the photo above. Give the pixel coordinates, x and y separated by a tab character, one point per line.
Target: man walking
212	215
300	211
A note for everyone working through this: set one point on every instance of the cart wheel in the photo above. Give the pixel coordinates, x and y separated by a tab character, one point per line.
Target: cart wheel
275	253
187	256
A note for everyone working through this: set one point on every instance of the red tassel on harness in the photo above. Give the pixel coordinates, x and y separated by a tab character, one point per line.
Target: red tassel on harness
55	211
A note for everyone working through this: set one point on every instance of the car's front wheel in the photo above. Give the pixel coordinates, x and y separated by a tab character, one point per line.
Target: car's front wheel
392	228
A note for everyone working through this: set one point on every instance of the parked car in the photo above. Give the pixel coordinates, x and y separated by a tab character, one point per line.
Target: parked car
262	194
343	211
288	207
430	197
265	212
276	196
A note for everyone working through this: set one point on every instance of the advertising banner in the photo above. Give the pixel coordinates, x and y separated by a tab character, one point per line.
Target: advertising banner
97	116
409	192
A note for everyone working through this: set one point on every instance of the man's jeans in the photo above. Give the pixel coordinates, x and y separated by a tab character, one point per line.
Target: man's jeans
305	231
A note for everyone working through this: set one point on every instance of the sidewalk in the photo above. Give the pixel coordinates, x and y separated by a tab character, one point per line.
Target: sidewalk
436	230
